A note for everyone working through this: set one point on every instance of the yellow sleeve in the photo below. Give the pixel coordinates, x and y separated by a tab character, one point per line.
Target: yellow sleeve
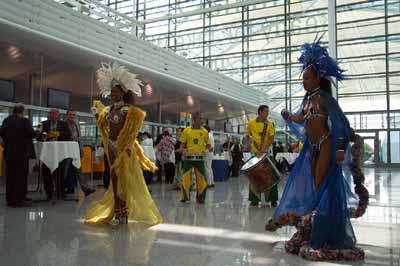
271	130
99	105
183	137
133	122
206	140
102	124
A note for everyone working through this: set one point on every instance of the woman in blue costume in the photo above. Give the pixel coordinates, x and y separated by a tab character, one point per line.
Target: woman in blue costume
318	193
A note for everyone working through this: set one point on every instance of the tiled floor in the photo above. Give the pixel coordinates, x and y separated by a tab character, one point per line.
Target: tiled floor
224	231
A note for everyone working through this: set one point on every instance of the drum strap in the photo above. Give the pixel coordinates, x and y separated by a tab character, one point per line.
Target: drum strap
263	134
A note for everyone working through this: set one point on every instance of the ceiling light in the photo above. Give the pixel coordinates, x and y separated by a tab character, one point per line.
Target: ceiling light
14	52
244	116
189	100
220	108
148	89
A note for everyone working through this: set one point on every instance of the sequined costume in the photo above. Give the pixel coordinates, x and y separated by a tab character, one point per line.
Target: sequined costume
321	211
131	185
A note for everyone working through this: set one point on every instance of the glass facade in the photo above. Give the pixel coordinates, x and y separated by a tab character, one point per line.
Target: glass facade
257	43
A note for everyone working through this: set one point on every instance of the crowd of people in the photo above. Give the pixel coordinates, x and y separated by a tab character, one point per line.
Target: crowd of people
17	135
316	194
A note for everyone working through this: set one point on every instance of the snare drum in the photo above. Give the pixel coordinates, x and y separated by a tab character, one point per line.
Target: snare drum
261	172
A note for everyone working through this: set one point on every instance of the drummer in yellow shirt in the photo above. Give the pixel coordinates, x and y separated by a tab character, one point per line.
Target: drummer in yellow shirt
194	142
255	129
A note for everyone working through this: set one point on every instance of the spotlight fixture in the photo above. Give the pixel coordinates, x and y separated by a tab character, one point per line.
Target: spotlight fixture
14	52
148	89
189	100
220	108
244	117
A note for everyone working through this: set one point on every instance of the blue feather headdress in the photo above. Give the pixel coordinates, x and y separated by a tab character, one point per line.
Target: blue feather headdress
316	56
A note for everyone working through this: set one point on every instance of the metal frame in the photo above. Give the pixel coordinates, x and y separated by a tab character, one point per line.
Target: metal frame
289	81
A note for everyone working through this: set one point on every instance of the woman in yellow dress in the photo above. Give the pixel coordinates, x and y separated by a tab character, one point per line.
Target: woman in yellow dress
127	196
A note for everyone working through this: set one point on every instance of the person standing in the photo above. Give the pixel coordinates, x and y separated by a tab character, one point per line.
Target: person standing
159	172
317	195
127	197
54	129
70	170
17	134
178	162
166	148
262	131
147	145
194	141
237	157
209	157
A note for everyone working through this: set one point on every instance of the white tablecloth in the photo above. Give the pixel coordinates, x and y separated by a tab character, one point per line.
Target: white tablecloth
290	157
53	152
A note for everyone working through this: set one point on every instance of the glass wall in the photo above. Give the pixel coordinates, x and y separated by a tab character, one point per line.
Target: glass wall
368	46
258	44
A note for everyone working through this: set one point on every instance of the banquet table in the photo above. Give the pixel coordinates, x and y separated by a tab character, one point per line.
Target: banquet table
51	154
220	169
288	156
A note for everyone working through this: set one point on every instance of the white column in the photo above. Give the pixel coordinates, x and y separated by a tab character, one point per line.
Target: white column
332	38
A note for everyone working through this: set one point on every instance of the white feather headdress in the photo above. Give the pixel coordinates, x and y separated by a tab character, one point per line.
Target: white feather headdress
109	75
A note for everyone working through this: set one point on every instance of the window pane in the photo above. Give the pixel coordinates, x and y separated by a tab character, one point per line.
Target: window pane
369	102
395	146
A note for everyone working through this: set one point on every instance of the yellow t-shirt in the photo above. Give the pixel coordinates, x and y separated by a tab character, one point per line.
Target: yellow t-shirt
255	130
195	140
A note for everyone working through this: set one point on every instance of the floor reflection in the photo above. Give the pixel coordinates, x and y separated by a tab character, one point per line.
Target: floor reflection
224	231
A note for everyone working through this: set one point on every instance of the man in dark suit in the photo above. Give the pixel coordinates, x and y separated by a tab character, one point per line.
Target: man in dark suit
17	134
54	124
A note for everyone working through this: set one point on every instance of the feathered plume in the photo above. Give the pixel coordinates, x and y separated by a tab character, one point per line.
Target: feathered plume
109	75
316	56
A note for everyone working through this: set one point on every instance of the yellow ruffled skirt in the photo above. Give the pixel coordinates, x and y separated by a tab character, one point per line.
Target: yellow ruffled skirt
132	189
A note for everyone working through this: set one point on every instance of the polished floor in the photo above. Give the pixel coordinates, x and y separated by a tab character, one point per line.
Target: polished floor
224	231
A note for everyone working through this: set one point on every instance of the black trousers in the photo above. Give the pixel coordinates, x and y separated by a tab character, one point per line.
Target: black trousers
169	169
148	177
55	179
16	180
159	171
75	174
235	167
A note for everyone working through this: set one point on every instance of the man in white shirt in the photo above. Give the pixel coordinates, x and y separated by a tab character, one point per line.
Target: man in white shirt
146	141
208	159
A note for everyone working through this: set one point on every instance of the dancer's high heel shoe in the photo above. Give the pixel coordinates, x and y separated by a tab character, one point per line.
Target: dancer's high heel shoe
123	218
117	218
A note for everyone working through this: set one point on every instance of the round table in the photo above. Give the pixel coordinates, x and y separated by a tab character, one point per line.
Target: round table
288	156
51	153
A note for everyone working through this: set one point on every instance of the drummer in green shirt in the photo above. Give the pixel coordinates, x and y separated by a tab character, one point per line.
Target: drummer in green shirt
263	132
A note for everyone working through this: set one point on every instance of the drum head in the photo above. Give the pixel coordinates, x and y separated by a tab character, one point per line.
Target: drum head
252	162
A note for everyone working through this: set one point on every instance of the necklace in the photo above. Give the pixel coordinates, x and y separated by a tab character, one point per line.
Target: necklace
313	93
115	118
118	104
